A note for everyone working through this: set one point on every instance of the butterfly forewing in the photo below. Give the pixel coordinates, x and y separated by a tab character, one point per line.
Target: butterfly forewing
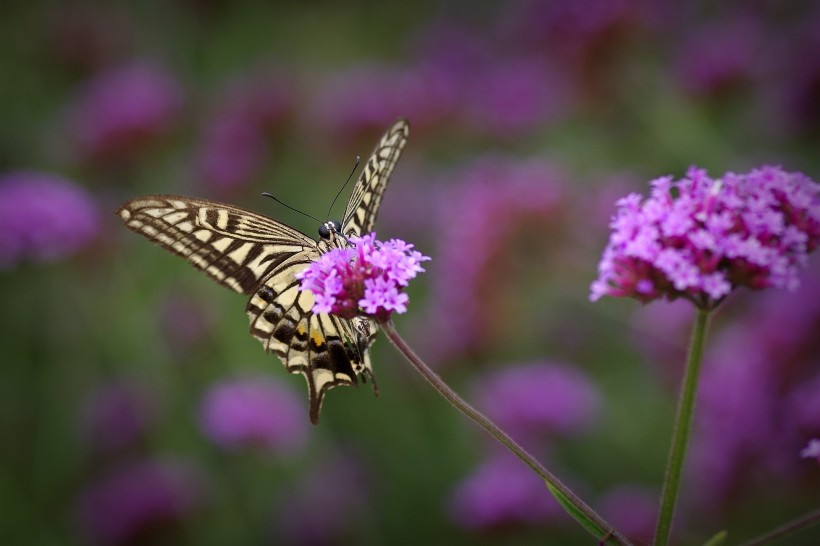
261	257
363	206
236	247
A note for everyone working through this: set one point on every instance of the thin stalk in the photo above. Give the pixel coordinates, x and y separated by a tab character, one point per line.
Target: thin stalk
683	426
812	518
608	535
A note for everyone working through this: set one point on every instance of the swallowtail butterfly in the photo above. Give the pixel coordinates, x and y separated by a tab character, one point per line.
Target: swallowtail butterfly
260	257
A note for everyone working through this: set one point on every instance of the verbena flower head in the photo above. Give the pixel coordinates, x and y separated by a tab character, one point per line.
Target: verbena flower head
700	238
368	279
536	398
502	492
253	412
324	505
43	218
120	111
115	417
141	502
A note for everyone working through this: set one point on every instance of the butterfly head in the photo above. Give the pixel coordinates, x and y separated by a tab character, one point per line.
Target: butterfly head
328	228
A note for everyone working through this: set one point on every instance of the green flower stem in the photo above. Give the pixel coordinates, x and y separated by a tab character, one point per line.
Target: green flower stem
812	518
593	522
683	425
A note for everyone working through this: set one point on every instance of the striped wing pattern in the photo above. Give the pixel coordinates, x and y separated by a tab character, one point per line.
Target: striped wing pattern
260	257
363	205
236	247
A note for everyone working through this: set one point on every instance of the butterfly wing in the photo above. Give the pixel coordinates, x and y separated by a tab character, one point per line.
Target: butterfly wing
236	247
363	205
255	255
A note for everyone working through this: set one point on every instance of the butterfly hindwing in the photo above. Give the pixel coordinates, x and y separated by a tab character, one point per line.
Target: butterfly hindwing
321	347
363	205
255	255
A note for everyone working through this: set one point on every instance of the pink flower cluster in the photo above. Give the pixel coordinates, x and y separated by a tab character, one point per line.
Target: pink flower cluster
700	238
368	279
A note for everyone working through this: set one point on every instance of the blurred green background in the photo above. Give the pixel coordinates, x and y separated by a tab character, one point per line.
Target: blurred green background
528	120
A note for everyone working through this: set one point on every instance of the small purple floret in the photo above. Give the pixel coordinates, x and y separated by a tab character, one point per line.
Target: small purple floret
43	218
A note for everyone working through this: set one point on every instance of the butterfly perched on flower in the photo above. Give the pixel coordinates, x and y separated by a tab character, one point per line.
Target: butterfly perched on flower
260	257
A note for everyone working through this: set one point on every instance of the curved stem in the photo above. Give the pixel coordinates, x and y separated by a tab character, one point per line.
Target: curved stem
594	523
683	426
812	518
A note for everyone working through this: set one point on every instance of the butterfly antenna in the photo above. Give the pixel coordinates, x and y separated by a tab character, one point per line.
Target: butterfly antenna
356	166
266	194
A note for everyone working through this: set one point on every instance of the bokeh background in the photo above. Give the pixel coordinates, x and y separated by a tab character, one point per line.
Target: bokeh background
136	409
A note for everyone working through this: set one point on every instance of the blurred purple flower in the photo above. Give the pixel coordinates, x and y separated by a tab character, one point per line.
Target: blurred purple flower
720	56
517	96
769	357
43	218
326	504
661	332
253	412
538	398
366	280
500	493
140	503
632	510
365	98
233	146
451	45
796	75
700	238
232	152
85	38
115	417
802	404
812	450
731	432
356	101
495	197
575	27
187	321
122	110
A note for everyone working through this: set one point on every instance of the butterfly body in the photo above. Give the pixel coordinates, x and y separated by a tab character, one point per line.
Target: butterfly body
260	257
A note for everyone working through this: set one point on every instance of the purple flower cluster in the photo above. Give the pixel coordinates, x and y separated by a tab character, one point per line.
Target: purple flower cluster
541	397
84	38
139	503
115	417
531	402
43	218
123	109
233	146
700	238
326	503
501	492
768	355
719	56
368	279
496	197
253	413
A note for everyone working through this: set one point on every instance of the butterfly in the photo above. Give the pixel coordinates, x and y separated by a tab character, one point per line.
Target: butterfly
260	257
